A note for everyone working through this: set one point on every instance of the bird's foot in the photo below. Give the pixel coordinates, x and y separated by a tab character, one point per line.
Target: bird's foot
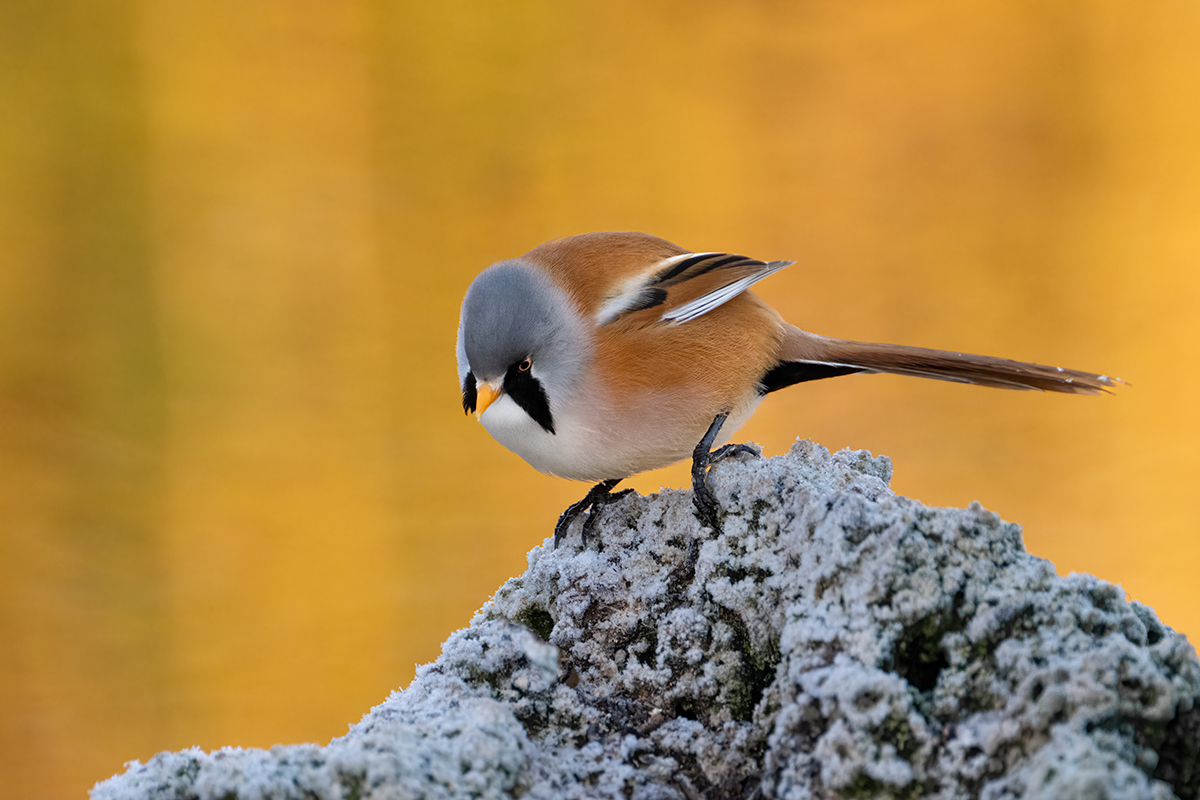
598	496
733	451
702	459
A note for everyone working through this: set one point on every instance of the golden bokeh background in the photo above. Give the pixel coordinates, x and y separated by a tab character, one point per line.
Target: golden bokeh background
239	500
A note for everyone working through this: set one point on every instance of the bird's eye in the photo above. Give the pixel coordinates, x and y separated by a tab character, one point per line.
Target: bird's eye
525	365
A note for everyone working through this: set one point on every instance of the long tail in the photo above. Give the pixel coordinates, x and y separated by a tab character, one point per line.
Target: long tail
806	356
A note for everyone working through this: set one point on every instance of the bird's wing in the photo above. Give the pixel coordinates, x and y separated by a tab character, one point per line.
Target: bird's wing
685	286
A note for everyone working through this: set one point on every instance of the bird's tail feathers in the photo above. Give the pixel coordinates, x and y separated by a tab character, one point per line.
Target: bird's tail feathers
828	356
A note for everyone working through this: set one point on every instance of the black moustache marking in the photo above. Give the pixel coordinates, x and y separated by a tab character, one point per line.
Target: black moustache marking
527	392
791	372
468	391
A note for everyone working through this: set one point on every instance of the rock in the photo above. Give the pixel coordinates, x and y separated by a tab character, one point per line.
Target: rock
832	640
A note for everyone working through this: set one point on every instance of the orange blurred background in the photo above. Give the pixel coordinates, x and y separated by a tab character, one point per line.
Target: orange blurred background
239	500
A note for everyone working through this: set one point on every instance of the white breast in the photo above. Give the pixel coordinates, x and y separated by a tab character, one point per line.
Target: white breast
573	451
602	443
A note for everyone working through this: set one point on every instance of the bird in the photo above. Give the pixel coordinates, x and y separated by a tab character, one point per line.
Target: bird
598	356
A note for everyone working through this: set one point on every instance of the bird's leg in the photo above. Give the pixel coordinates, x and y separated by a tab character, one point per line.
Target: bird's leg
703	458
597	496
706	504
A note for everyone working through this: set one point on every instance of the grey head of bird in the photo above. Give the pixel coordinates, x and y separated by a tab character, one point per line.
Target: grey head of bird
520	337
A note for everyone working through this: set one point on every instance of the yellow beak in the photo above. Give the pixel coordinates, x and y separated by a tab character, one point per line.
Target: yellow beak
485	395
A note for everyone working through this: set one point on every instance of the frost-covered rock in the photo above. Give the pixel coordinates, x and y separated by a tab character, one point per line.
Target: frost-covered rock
832	640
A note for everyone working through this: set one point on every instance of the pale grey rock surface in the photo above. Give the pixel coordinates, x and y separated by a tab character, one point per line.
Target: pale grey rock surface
832	640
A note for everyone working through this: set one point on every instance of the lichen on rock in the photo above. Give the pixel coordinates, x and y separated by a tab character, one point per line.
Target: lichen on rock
831	640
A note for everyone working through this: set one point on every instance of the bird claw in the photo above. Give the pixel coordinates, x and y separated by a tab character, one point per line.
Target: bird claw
705	503
734	451
598	496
